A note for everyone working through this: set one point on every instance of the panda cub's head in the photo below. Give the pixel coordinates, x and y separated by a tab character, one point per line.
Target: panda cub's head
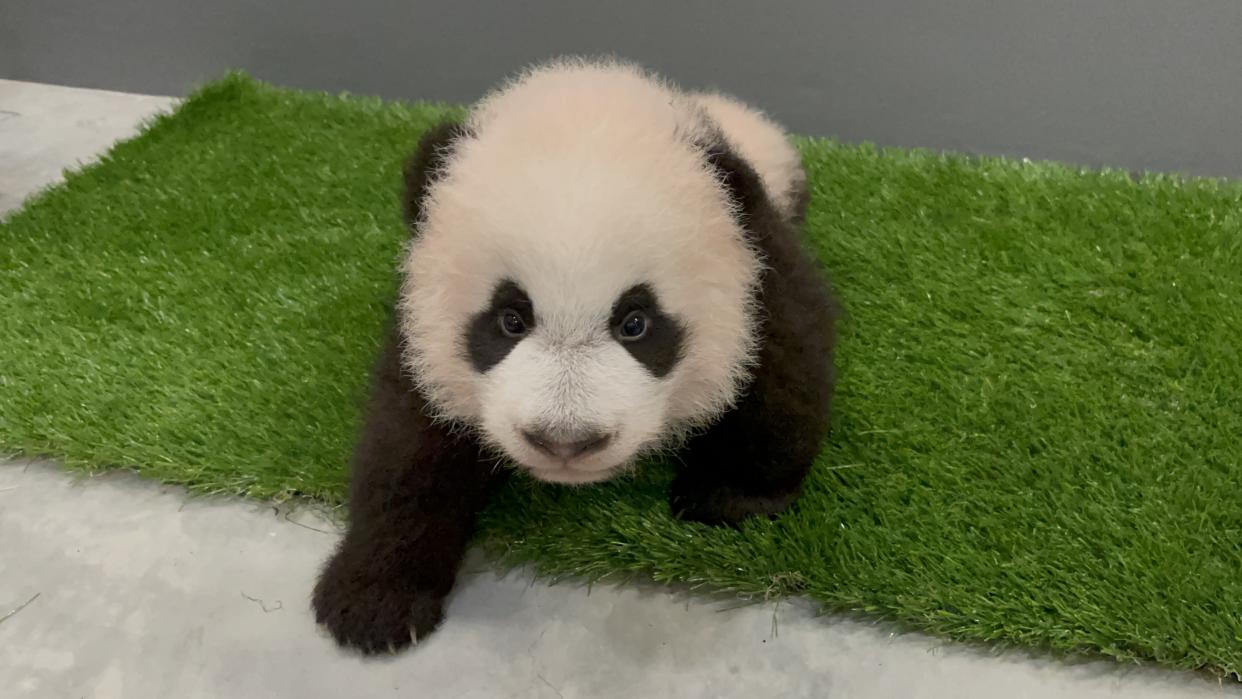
579	289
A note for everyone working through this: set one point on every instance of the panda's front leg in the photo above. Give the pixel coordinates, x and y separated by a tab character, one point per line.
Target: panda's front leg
416	491
748	464
754	459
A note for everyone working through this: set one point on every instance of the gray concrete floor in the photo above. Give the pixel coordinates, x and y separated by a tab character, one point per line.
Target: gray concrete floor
133	589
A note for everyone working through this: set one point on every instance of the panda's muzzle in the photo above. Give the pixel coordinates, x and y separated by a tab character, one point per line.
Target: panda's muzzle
566	447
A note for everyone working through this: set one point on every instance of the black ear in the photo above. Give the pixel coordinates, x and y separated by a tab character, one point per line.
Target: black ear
425	165
743	184
756	213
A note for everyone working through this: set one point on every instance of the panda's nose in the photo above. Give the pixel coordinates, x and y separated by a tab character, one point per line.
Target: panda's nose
567	446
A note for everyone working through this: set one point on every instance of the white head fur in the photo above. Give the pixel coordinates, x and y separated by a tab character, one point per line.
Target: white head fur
580	181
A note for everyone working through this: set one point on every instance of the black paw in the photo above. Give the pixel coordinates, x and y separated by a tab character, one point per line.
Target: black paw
372	613
721	505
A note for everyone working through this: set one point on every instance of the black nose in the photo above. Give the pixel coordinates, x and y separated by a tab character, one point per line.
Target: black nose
566	446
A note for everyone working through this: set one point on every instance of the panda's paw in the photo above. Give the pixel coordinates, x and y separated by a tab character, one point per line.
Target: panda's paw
719	504
373	615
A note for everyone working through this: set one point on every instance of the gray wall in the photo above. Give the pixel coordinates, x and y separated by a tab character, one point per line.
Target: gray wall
1138	84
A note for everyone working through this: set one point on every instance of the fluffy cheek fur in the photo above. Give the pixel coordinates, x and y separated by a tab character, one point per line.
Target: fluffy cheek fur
595	386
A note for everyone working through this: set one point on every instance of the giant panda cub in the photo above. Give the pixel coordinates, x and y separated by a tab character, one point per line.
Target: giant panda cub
601	267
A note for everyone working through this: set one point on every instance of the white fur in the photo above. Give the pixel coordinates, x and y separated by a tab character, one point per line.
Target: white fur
761	143
581	181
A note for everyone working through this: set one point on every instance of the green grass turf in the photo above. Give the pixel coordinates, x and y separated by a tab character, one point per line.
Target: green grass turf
1038	425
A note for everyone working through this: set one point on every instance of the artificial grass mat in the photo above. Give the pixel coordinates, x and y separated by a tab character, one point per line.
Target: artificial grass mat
1037	427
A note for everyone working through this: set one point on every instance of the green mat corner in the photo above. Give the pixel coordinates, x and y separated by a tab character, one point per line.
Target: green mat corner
1038	429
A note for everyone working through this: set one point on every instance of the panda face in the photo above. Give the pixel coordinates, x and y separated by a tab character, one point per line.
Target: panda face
573	392
579	291
574	339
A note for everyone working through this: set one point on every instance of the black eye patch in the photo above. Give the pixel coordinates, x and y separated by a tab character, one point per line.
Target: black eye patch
485	341
659	350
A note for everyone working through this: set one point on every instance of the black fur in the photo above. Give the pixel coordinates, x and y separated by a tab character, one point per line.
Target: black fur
417	487
485	344
753	460
427	164
660	349
416	490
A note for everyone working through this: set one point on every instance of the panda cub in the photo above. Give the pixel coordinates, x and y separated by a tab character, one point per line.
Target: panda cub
601	266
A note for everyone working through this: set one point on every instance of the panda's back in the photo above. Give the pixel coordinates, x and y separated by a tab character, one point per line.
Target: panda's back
764	145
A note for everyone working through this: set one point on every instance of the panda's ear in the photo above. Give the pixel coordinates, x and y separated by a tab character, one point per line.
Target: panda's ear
741	182
422	169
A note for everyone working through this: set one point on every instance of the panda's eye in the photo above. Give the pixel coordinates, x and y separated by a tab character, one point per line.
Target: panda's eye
634	327
511	323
